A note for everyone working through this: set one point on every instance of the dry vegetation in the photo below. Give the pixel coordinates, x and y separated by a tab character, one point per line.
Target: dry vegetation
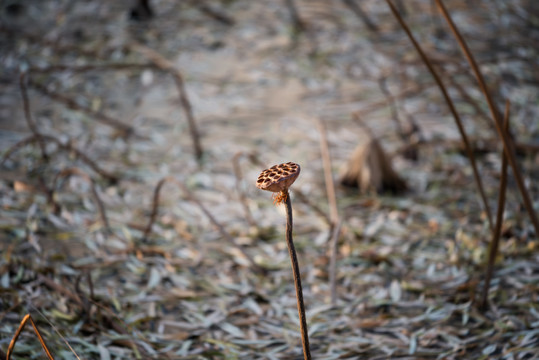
130	144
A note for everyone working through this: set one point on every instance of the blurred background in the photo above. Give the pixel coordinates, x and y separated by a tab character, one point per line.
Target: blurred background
100	100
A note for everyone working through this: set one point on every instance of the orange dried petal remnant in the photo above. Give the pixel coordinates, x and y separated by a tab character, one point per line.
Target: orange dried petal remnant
279	177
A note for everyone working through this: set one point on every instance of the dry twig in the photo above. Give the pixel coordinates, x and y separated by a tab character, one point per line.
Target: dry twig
125	129
64	146
167	66
27	318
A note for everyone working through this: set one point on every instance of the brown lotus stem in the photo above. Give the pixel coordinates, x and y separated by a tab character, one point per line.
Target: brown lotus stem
278	179
297	280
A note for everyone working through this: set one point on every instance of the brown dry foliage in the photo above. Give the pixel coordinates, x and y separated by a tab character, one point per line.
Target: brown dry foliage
369	169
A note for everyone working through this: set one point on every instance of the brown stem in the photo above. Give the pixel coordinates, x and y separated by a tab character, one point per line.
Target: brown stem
297	280
452	108
333	262
167	66
465	95
186	105
493	249
507	144
28	115
27	318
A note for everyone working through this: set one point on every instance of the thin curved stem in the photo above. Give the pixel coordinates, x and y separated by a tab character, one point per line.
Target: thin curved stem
460	126
297	280
27	318
494	244
506	139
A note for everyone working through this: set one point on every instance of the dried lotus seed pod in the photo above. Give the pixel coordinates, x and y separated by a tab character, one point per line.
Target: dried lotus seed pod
279	177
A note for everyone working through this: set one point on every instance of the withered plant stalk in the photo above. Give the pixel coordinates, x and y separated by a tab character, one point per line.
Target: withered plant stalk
506	139
297	279
278	179
27	318
452	108
494	245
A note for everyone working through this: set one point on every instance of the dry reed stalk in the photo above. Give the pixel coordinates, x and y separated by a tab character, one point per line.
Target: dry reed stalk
297	281
506	140
465	95
494	244
452	108
27	318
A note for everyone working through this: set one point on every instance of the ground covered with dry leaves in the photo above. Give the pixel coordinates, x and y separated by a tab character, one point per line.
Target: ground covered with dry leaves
211	277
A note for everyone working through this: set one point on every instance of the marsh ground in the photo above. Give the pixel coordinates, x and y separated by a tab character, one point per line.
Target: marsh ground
409	266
